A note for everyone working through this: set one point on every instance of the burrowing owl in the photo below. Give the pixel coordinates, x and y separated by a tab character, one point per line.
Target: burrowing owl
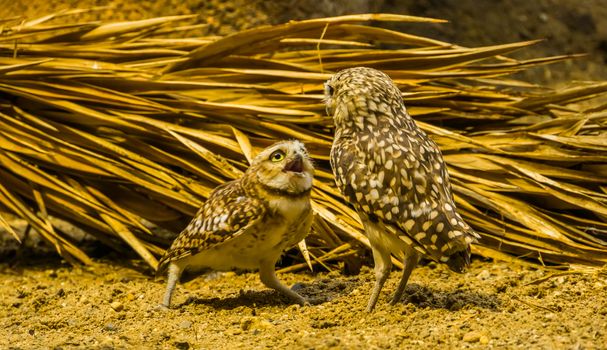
394	175
247	223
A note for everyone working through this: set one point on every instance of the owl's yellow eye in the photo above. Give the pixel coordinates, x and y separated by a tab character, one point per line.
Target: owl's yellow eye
277	156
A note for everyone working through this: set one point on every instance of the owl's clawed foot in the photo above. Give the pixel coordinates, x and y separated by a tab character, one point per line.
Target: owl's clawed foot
162	307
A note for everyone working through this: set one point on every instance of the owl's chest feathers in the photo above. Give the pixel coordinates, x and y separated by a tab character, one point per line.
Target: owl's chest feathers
288	210
267	240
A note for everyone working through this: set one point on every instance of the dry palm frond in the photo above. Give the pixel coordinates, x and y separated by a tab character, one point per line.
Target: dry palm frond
113	126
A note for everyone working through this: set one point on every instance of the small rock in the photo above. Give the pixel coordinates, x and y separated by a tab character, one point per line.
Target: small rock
185	324
117	306
254	323
332	343
233	331
130	297
543	17
110	327
298	286
182	345
245	323
483	275
549	316
472	337
323	324
483	340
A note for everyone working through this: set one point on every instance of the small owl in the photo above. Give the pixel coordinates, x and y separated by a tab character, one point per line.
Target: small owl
248	223
395	177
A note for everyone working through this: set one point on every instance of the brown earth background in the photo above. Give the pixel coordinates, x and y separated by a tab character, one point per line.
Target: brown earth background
45	303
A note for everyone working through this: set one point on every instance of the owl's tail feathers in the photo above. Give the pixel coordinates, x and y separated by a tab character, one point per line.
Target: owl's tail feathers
459	257
459	261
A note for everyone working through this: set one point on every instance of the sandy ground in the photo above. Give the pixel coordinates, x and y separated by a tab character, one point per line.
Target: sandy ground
46	304
493	305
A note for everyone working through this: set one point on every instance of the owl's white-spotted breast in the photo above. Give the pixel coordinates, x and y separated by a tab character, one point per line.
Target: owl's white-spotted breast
248	223
395	177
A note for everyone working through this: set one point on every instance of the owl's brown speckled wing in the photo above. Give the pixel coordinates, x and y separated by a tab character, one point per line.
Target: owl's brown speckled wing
227	213
395	175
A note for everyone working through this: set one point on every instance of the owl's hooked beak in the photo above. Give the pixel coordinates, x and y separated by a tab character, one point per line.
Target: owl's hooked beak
296	165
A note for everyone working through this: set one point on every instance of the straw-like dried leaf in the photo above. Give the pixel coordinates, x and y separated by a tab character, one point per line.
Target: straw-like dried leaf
116	127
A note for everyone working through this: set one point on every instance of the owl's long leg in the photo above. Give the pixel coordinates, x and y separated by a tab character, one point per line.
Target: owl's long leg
383	265
268	277
410	262
173	277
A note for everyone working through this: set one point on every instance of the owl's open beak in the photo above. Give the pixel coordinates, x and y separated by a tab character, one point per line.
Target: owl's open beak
296	165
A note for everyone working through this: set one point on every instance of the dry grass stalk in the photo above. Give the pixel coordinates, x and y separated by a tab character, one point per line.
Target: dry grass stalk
113	125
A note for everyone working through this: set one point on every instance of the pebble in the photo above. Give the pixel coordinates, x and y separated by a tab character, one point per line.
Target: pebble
254	323
117	306
476	337
110	327
182	345
233	331
298	286
472	337
185	324
483	275
543	17
245	323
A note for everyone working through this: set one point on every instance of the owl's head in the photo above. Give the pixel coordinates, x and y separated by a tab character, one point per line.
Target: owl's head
285	167
360	92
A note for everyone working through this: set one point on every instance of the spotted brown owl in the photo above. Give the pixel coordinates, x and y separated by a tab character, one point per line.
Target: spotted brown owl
395	177
248	223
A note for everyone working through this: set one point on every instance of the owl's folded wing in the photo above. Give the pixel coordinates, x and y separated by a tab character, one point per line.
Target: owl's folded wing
401	200
225	215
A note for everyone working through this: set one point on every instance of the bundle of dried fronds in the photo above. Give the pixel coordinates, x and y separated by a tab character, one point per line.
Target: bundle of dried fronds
115	126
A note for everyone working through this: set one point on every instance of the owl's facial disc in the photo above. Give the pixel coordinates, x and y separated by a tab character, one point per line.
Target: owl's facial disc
285	166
